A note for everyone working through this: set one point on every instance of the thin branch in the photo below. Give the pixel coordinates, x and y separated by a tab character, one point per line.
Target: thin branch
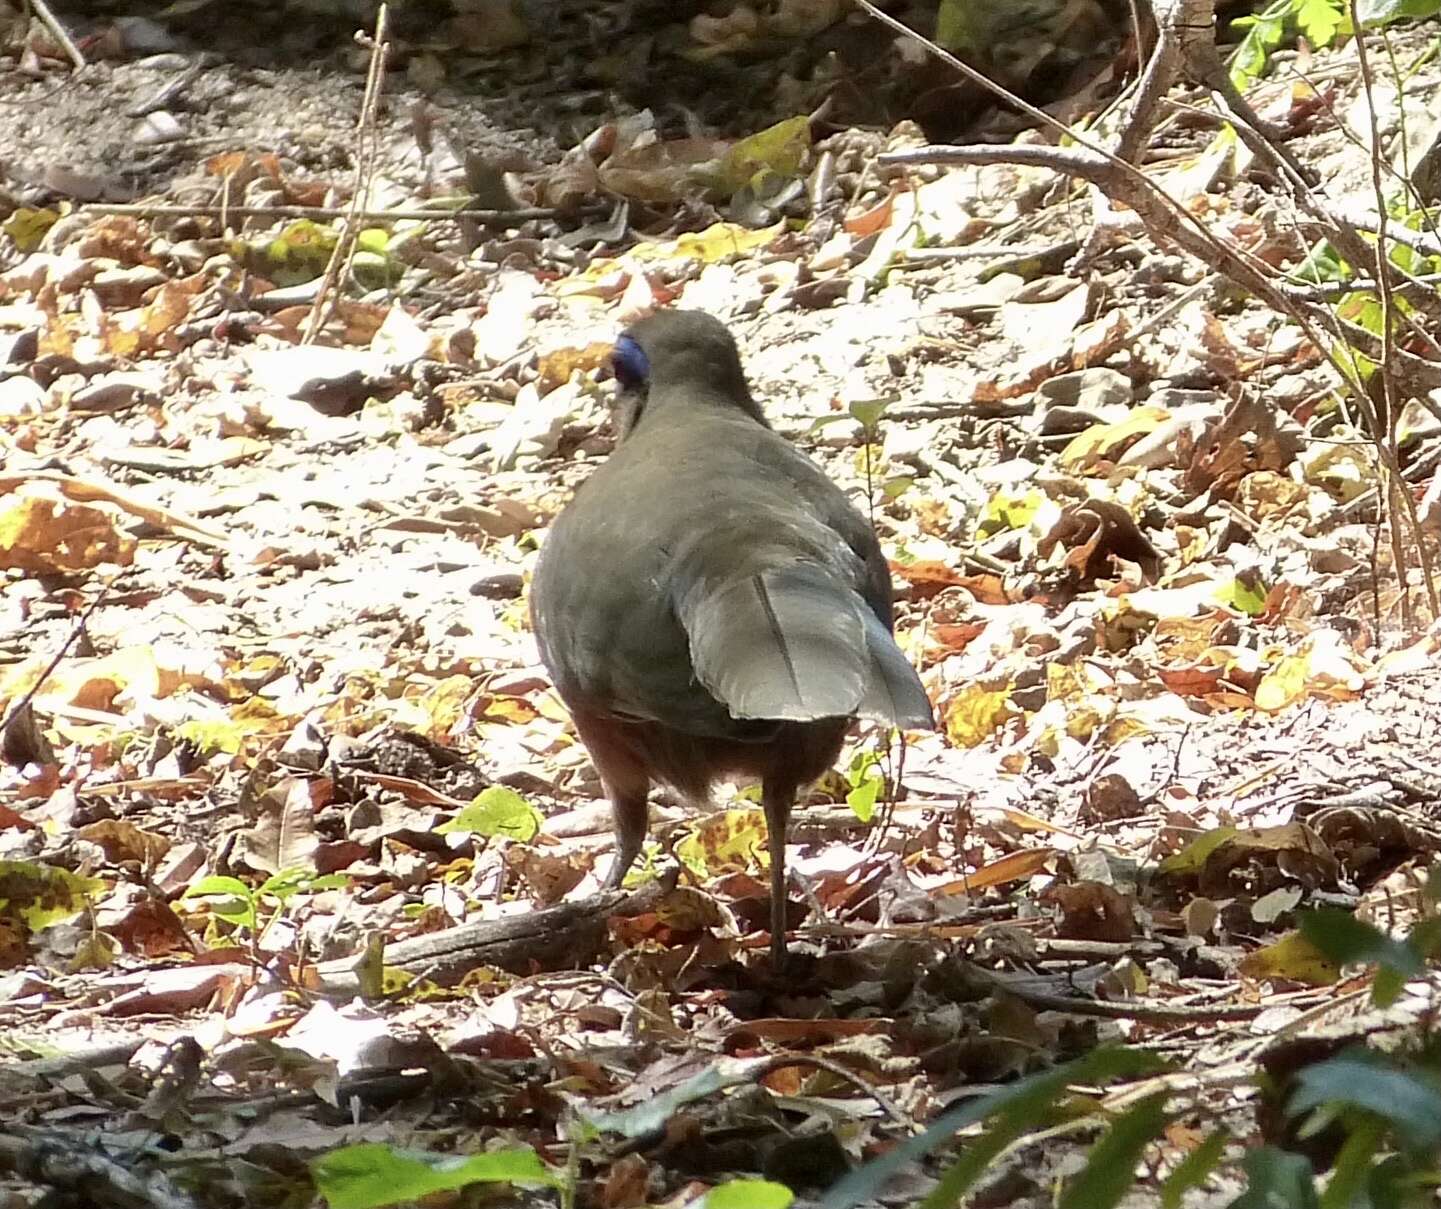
59	33
496	218
23	702
342	256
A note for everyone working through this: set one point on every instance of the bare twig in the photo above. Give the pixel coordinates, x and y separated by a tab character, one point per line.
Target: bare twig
23	702
58	32
494	218
1167	219
343	254
1185	35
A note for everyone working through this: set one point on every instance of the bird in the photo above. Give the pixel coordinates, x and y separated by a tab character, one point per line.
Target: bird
710	605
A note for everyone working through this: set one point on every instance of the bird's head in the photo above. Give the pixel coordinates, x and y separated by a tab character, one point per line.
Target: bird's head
678	358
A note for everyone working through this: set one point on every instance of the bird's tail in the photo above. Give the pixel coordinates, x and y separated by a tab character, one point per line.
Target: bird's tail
794	643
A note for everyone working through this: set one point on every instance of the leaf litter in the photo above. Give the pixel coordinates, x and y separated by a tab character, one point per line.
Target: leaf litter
292	826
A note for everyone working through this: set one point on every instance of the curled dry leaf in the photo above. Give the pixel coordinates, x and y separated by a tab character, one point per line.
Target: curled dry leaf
1095	535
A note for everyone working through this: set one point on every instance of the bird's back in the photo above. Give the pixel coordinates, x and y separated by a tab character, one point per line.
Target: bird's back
686	506
710	604
710	601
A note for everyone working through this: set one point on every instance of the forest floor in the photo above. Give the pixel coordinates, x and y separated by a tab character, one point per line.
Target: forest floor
298	849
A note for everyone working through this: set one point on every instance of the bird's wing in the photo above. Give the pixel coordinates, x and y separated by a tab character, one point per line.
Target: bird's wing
799	643
782	643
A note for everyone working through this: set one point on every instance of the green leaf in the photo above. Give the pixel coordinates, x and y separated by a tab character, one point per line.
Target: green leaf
1193	857
1408	1099
1376	13
1364	310
1352	1168
238	911
1248	62
1110	1168
652	1114
1320	21
376	270
1193	1170
1386	987
1321	265
1244	594
866	780
864	765
1023	1103
1391	1184
1344	938
284	884
299	253
1262	37
956	26
371	1174
1432	889
1276	1180
862	799
1009	511
1353	362
28	226
1425	938
234	900
748	1194
780	149
976	1158
868	412
496	811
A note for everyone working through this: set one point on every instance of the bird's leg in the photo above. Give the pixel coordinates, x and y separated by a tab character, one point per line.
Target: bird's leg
629	816
777	799
626	784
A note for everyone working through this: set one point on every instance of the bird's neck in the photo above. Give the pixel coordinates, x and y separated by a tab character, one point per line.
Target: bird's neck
677	397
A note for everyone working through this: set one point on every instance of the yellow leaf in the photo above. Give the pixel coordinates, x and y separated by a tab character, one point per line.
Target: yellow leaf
1109	441
255	716
444	704
686	909
41	895
27	226
514	710
1194	855
1119	730
1284	684
780	149
726	841
42	535
97	951
1006	512
1294	958
717	242
974	715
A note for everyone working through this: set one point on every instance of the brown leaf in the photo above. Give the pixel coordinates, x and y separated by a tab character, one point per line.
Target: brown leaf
42	535
284	837
123	841
1010	868
1093	911
1096	534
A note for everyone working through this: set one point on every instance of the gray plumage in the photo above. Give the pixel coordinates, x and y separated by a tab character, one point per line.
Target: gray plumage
710	602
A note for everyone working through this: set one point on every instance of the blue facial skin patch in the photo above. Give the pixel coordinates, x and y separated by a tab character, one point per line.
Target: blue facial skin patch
631	365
